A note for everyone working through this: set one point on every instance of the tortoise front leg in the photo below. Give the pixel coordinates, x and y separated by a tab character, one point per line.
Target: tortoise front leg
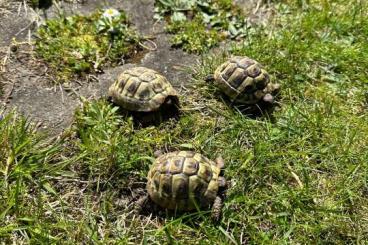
140	204
220	163
216	209
209	78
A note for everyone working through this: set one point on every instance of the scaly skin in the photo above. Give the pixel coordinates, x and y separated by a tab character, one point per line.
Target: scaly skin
216	209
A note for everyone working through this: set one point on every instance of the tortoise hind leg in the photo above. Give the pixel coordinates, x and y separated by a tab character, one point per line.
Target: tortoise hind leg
140	204
209	78
220	163
216	209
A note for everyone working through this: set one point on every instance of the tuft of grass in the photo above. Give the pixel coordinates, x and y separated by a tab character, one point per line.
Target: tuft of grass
107	140
199	25
26	158
77	45
192	36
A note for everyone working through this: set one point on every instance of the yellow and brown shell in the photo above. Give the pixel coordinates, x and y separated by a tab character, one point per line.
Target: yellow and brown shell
183	179
244	80
141	89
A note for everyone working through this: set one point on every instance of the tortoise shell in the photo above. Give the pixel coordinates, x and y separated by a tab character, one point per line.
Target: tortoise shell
183	179
243	80
141	89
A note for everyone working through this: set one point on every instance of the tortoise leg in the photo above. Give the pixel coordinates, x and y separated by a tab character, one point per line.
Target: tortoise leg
158	153
140	204
109	99
216	209
209	78
220	162
222	182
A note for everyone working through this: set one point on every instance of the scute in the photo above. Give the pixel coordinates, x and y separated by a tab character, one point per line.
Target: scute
262	80
165	166
148	76
137	71
205	172
237	78
242	62
179	179
156	180
190	166
253	70
197	186
141	89
228	71
131	86
248	86
176	165
212	189
157	86
165	185
223	66
180	187
145	92
187	154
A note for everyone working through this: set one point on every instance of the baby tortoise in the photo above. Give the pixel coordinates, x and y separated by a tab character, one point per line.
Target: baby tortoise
244	81
184	180
144	91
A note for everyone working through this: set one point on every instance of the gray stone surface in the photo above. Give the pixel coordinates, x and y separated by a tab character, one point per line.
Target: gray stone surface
33	94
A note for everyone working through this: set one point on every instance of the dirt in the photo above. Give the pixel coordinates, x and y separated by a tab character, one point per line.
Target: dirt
28	87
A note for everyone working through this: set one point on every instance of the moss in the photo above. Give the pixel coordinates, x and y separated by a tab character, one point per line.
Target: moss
193	36
76	46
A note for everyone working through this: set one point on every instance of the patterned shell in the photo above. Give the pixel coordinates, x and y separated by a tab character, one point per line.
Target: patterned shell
141	89
182	179
242	79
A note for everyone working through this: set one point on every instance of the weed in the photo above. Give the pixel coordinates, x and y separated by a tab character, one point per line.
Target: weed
84	44
193	36
199	25
26	157
106	141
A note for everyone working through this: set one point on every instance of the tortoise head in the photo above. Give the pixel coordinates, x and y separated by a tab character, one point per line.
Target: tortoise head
268	98
271	90
172	101
170	108
158	153
169	101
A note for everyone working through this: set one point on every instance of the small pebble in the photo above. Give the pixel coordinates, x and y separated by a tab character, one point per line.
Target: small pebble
13	48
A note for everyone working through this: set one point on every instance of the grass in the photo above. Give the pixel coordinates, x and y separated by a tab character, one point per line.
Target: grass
199	25
79	45
297	176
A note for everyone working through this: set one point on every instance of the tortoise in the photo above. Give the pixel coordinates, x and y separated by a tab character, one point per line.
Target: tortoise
143	90
185	180
244	81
